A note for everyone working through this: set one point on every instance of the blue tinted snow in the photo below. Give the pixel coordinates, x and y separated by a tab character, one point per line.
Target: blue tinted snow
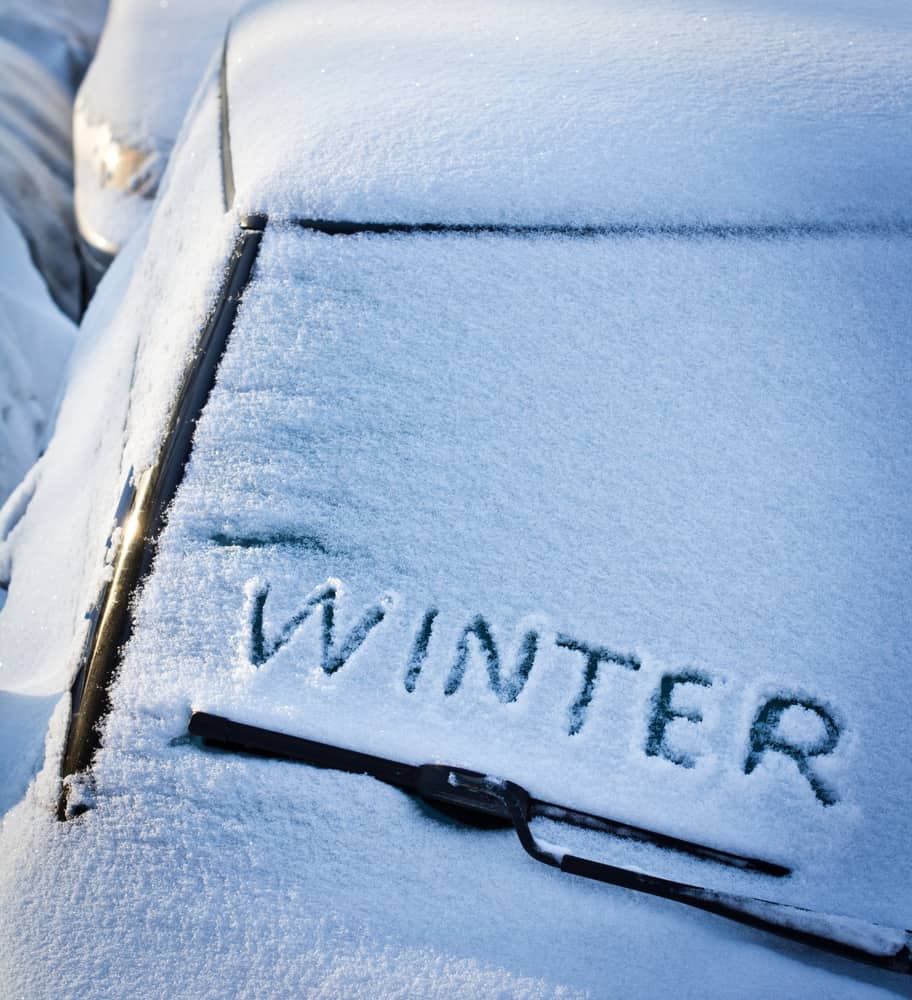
670	457
688	454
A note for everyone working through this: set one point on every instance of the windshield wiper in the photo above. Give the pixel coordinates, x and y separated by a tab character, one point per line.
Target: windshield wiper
498	799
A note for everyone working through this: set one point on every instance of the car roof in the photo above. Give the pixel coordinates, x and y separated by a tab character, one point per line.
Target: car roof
572	114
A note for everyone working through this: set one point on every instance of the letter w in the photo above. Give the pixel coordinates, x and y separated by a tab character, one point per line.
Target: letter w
324	596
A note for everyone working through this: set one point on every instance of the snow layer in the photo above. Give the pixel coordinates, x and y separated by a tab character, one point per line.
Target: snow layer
692	451
36	173
60	35
125	370
577	112
44	50
35	342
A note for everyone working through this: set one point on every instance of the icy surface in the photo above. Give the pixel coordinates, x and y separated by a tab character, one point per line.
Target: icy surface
582	112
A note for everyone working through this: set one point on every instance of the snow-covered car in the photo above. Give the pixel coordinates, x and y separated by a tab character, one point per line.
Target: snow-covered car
35	340
510	404
129	109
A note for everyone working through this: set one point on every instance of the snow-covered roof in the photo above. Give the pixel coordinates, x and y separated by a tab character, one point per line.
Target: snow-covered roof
578	112
130	107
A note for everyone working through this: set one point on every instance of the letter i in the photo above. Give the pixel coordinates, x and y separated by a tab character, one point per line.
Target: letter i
419	649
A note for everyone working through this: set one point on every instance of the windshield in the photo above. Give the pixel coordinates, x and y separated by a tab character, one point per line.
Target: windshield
620	518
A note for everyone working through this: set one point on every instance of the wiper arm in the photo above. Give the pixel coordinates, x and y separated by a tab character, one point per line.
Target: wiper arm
885	947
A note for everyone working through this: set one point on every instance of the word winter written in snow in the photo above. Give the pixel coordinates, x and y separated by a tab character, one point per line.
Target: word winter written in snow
764	736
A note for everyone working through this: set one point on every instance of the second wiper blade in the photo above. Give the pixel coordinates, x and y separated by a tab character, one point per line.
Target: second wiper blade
469	791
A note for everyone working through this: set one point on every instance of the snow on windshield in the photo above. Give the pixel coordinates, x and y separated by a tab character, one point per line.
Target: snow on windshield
619	519
622	519
678	522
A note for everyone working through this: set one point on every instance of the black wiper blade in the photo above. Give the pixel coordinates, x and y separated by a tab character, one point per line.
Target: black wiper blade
232	735
456	787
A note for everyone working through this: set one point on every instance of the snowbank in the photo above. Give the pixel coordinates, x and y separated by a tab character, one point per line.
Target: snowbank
35	341
44	50
621	516
43	53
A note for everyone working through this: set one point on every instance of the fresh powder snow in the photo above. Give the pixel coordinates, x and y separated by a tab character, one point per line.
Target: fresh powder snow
35	342
619	515
54	561
649	115
150	59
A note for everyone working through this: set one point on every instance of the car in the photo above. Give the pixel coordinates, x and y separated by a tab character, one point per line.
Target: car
41	54
511	409
128	111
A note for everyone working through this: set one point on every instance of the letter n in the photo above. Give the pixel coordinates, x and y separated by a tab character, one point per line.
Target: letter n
507	689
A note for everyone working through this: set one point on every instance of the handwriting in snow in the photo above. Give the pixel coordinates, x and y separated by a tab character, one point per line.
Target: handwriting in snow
765	736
